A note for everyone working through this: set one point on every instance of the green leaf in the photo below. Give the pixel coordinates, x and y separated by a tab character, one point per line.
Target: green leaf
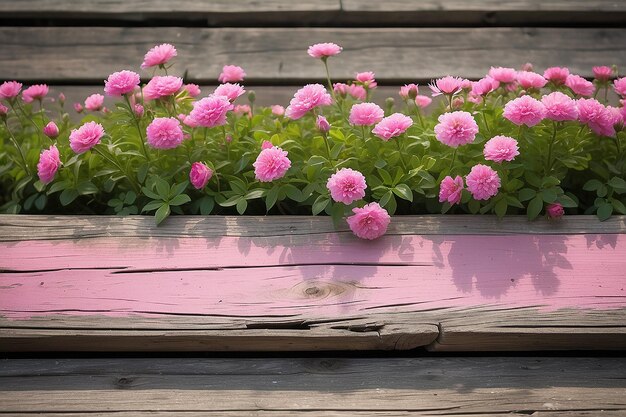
242	205
271	197
549	196
336	150
534	207
592	185
385	198
258	193
567	201
403	191
618	184
162	213
231	201
384	175
41	201
391	205
152	205
39	186
142	172
320	204
512	201
316	160
500	208
337	213
206	205
163	189
67	196
550	182
150	194
474	206
605	211
381	163
130	198
293	192
179	200
618	206
178	189
602	191
86	187
238	186
58	186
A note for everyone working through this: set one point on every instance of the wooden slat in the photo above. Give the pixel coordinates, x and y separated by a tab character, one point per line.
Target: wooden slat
274	56
317	387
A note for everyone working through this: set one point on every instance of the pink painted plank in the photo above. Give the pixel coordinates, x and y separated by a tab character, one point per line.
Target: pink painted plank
323	275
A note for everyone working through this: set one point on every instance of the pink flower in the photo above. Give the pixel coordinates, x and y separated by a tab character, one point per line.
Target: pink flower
10	89
620	86
451	190
243	110
34	92
162	86
528	79
392	126
524	110
555	211
210	111
527	67
423	101
483	182
231	74
49	163
456	128
503	75
340	89
557	75
271	164
602	73
369	222
466	84
365	114
409	91
86	137
560	107
200	175
192	89
357	91
324	50
367	79
51	130
322	124
484	86
266	145
138	109
278	110
447	85
500	149
188	121
164	133
121	83
158	55
78	107
3	110
346	186
599	119
579	85
306	99
94	102
230	91
62	98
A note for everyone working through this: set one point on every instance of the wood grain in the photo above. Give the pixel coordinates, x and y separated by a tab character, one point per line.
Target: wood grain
320	387
278	56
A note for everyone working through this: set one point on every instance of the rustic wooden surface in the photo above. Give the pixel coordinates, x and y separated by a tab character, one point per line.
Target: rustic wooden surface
278	56
317	386
293	283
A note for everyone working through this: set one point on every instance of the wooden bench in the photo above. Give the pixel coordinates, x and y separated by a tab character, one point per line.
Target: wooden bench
287	316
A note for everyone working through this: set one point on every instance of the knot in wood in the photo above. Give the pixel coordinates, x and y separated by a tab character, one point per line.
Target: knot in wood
312	291
124	382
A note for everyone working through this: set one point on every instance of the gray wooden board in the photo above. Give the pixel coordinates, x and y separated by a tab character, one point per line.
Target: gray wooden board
274	56
317	386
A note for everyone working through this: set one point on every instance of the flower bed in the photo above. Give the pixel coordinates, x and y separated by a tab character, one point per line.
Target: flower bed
513	142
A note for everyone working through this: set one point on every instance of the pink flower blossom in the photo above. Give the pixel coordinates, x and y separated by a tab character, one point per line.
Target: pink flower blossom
423	101
365	114
231	74
503	75
340	89
457	103
94	102
528	79
555	210
483	182
121	83
164	133
192	89
369	222
199	175
466	84
138	109
278	110
447	85
34	92
322	124
367	79
61	98
556	75
451	189
602	73
78	108
524	110
3	110
188	121
230	91
500	149
560	107
266	145
346	186
159	55
392	126
409	91
162	86
484	86
271	164
210	111
324	50
579	85
307	98
51	130
48	165
620	86
527	67
456	128
10	89
595	115
357	91
86	137
243	110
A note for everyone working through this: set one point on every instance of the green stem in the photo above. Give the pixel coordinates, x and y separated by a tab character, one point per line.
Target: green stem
37	129
453	159
419	115
549	162
19	149
397	141
134	116
485	116
330	159
330	84
132	181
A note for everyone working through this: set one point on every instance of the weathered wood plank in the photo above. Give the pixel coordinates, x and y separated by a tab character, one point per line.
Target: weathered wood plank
28	227
435	386
320	413
275	56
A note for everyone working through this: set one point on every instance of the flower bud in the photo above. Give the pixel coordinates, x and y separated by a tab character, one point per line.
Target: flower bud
251	96
78	107
62	98
266	144
200	175
555	210
322	124
51	130
3	111
138	109
389	102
